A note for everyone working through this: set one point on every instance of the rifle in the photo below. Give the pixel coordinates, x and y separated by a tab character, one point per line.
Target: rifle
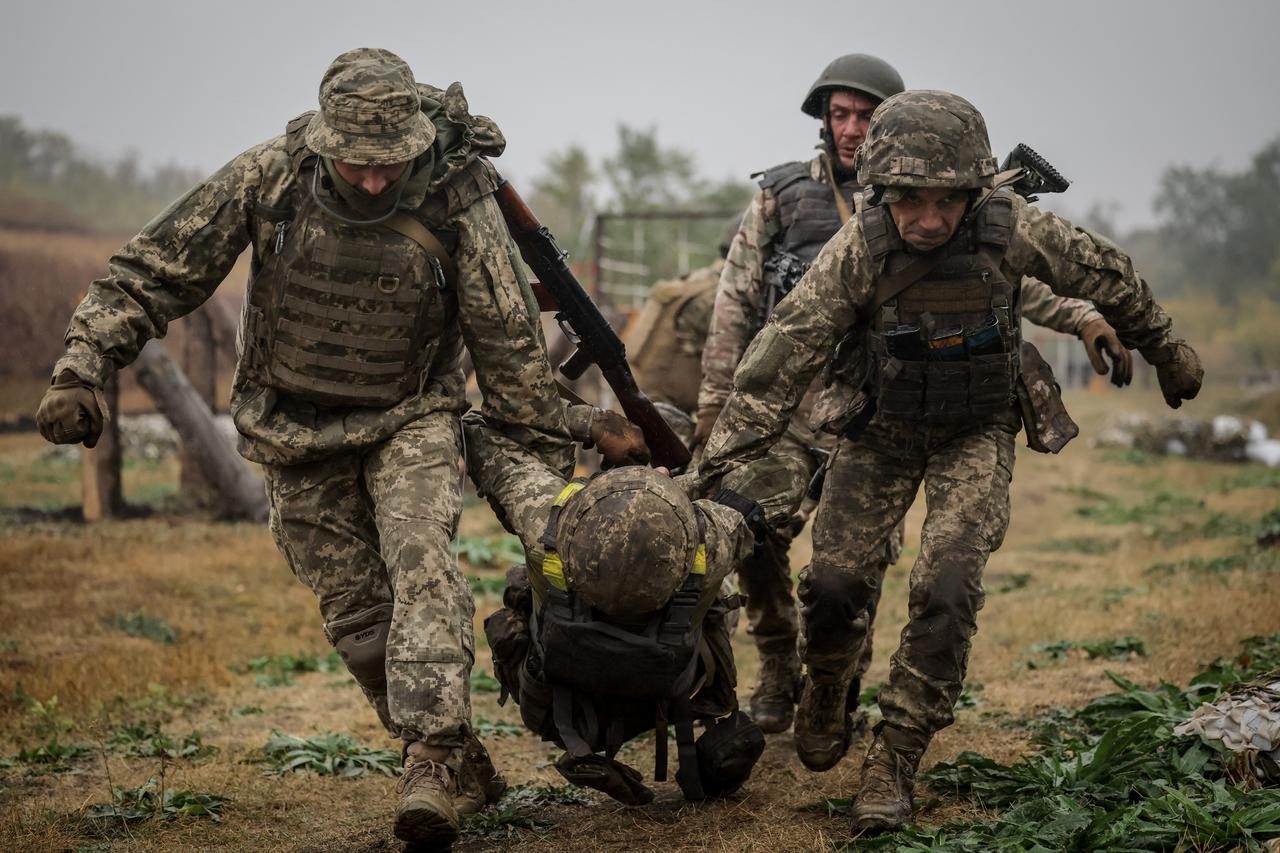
785	269
581	321
1035	173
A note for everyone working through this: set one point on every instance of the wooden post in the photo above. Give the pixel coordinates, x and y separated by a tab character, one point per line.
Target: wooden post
200	363
240	494
101	492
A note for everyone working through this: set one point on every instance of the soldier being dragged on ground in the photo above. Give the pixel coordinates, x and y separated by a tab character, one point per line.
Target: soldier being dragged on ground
378	253
616	625
925	282
798	208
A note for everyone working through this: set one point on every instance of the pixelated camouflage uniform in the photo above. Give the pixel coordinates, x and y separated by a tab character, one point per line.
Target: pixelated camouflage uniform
965	467
740	302
523	489
364	499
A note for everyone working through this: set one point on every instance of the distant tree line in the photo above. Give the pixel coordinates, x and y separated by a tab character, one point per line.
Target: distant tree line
46	181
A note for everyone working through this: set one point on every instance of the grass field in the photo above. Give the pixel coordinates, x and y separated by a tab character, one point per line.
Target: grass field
129	648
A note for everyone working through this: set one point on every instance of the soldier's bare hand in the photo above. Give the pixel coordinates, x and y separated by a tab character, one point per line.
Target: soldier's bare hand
1100	337
619	441
1180	376
69	412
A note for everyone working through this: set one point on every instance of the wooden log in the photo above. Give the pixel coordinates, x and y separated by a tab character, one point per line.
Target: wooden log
101	493
240	493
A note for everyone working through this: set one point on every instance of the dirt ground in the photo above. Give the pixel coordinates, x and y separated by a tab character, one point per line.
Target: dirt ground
1061	575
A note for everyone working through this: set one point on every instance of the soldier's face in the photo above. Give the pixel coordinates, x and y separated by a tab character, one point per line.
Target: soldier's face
849	113
926	218
371	180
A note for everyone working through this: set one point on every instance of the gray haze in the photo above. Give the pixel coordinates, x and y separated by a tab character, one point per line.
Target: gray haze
1111	92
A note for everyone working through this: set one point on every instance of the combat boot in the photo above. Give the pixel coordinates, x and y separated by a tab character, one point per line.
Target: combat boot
883	803
426	816
824	726
479	782
773	702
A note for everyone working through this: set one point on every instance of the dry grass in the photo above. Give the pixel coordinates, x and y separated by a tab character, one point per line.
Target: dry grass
230	597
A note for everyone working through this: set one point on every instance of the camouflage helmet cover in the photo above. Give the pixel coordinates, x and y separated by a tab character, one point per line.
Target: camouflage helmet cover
860	71
626	540
926	138
370	111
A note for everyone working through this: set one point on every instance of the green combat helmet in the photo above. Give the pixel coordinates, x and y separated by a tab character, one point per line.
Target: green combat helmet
627	540
859	71
370	112
926	138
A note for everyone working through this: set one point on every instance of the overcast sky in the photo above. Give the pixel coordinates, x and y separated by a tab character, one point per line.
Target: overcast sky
1110	92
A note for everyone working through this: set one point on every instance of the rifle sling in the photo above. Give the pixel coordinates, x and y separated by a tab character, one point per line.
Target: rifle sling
406	226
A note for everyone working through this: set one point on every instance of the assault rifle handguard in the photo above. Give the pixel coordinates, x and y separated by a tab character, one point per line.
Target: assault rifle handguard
583	324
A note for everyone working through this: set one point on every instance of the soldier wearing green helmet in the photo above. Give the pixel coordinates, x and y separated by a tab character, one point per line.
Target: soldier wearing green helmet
799	207
378	254
617	624
925	284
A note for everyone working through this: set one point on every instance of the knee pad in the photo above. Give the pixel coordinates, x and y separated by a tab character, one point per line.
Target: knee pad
727	752
361	641
832	596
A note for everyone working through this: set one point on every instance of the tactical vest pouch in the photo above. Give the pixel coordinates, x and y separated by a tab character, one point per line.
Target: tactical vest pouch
946	392
1048	425
507	633
585	656
989	391
901	392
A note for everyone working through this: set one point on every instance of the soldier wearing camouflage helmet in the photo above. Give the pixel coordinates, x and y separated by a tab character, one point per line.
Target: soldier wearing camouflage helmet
378	254
617	624
798	208
926	281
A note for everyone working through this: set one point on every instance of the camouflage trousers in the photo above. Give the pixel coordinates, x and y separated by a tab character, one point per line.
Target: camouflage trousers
369	532
765	576
872	482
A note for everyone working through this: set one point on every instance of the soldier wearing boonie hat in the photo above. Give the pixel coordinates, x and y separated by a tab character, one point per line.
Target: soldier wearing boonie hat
378	254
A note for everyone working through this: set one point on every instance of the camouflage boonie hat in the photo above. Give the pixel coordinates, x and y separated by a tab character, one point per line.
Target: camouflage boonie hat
627	540
926	138
370	113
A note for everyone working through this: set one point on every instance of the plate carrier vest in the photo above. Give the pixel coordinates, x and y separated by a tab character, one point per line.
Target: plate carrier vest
926	357
346	315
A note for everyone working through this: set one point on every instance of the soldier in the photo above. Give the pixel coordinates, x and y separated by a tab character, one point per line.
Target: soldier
925	280
378	252
616	626
798	208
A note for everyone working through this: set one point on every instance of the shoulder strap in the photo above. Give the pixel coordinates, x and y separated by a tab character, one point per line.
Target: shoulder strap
782	176
406	226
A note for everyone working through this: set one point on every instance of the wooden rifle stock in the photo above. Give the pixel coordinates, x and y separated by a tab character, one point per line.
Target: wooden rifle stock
558	289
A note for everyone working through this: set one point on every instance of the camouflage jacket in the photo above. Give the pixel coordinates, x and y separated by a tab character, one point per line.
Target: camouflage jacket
740	301
523	489
801	335
181	256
